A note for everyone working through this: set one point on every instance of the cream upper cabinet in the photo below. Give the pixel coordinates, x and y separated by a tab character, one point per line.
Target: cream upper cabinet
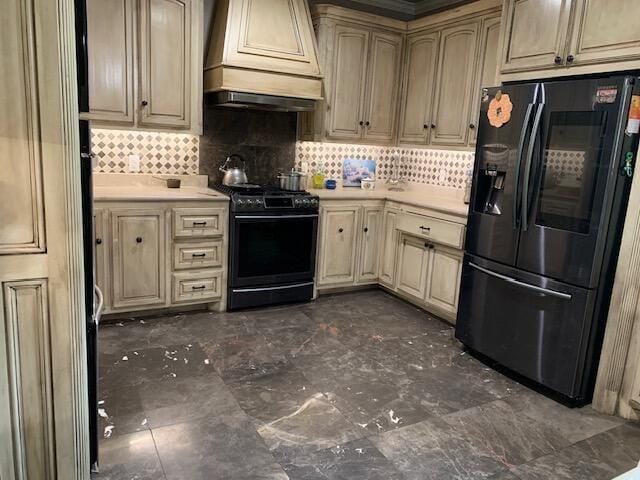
110	52
604	31
413	265
443	280
382	87
421	56
454	84
165	58
487	69
338	245
389	239
535	34
346	112
138	257
145	63
371	235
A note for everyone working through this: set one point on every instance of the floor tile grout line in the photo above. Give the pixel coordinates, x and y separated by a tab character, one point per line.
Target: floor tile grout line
155	445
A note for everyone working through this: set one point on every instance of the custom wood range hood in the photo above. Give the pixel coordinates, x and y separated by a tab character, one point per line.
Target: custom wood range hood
262	54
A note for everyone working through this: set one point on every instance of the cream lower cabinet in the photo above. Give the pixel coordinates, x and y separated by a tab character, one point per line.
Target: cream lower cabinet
151	255
413	266
389	253
443	280
349	244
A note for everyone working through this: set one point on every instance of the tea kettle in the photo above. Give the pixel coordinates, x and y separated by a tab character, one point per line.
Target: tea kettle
234	175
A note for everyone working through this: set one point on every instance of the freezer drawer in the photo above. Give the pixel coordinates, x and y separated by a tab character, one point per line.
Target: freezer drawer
532	325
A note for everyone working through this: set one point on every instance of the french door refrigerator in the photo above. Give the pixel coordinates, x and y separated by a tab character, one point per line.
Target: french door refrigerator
548	199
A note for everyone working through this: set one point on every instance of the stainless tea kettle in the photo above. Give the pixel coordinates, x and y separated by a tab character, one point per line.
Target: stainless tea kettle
234	175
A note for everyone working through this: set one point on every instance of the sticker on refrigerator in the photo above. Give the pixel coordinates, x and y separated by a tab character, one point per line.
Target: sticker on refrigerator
633	124
606	94
499	111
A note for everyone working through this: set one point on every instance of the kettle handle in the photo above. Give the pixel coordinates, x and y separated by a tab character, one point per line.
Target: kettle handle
223	168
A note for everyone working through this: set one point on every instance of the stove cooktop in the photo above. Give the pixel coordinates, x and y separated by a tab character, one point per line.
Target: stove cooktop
265	198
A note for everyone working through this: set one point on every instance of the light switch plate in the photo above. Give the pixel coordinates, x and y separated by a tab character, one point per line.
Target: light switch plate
134	163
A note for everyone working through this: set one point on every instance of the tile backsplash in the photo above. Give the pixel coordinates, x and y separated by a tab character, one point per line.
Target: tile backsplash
446	168
160	152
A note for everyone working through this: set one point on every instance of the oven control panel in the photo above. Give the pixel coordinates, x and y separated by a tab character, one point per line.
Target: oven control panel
261	203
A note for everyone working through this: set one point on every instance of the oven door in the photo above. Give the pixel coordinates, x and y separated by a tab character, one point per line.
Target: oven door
272	248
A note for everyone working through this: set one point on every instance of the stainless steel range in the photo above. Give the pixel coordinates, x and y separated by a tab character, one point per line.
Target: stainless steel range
272	245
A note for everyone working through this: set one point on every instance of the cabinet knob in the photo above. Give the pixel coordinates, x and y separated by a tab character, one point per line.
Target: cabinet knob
433	125
340	230
428	245
98	241
138	239
570	59
425	126
472	126
367	124
557	60
144	103
361	123
366	229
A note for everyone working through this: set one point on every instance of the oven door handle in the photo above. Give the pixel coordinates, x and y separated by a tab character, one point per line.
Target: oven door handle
274	217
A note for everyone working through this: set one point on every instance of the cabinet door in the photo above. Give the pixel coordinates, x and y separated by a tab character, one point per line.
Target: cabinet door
390	247
338	244
101	253
371	234
536	33
382	87
420	62
443	282
138	257
110	47
605	31
345	111
454	84
487	70
413	265
165	56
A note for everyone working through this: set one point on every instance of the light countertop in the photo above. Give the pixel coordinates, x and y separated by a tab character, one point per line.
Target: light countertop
155	193
446	200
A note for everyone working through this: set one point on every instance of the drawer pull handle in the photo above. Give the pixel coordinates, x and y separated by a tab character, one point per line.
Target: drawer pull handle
139	240
198	255
199	287
199	224
425	228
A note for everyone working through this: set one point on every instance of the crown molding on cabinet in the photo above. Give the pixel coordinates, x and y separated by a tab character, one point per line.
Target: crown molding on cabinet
407	9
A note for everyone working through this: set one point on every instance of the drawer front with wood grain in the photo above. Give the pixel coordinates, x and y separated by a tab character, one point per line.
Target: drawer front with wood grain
199	286
436	230
198	222
197	255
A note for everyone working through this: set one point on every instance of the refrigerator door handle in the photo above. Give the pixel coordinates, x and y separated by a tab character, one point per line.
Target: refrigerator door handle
523	137
546	291
527	167
98	310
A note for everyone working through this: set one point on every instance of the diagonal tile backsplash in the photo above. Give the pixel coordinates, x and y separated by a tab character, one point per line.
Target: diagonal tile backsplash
446	168
160	152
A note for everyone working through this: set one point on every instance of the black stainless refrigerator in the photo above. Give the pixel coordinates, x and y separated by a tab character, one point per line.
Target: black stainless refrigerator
549	194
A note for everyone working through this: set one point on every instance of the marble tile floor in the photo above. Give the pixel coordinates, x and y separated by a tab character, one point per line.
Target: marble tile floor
352	386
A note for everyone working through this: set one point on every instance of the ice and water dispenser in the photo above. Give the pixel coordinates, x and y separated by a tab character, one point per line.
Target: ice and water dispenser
491	179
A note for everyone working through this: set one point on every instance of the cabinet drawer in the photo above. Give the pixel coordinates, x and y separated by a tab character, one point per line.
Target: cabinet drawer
436	230
198	222
202	285
197	255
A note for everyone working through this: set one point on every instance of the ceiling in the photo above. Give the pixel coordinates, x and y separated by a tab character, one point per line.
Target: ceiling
401	9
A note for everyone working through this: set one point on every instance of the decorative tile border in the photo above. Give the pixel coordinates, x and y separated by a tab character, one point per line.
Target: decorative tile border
446	168
160	152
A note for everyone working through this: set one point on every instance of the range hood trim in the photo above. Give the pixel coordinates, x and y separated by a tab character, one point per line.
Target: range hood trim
258	101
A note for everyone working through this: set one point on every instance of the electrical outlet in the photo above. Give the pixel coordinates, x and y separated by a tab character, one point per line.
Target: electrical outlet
442	176
134	163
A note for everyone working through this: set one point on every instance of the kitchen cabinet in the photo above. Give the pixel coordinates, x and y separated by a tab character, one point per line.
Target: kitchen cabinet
346	111
413	265
138	257
360	56
454	85
443	279
338	244
145	63
371	235
165	57
100	251
110	48
421	59
388	261
550	38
